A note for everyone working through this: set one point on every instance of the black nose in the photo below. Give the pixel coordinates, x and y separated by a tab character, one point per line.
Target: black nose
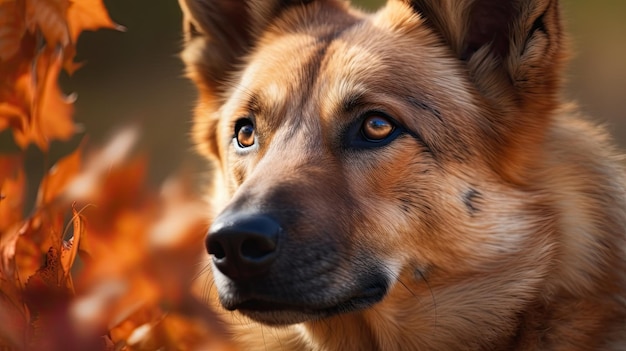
243	246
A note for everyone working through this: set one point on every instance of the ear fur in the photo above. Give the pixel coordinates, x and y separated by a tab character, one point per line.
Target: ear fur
514	51
518	42
218	34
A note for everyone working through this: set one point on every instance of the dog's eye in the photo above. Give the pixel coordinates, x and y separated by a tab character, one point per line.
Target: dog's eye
244	133
377	128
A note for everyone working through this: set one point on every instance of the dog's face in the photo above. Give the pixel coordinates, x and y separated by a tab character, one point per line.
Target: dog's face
359	151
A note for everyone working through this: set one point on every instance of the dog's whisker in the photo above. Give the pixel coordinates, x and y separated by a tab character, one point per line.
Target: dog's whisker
432	295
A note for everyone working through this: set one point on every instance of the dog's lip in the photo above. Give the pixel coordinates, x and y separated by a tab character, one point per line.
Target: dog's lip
363	299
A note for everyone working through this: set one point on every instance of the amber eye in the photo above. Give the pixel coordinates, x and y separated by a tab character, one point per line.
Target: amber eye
244	132
377	128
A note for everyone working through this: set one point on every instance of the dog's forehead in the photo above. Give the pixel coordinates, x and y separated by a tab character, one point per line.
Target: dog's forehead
278	68
319	66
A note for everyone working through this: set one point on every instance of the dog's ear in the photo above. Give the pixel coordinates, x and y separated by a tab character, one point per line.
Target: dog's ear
217	36
518	43
219	33
514	51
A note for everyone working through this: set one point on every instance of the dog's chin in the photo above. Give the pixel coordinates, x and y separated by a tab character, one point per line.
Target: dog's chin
279	313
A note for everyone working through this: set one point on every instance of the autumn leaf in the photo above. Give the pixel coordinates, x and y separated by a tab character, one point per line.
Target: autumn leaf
59	177
85	15
13	313
122	280
38	40
12	183
49	17
12	191
12	29
69	250
51	114
16	94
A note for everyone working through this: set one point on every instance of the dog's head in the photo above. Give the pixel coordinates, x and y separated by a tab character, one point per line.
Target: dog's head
354	149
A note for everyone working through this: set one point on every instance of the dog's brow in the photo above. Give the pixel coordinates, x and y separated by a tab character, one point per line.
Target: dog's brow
351	101
254	104
257	104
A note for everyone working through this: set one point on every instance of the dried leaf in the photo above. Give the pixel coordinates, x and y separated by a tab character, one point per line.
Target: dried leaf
12	29
139	252
52	115
51	111
49	16
31	102
27	258
70	248
88	15
11	116
59	177
16	96
12	191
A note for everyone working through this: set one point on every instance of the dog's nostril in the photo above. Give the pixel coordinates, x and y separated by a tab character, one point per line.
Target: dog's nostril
257	248
217	250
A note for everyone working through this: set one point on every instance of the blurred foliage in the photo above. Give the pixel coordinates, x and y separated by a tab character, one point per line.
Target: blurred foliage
99	261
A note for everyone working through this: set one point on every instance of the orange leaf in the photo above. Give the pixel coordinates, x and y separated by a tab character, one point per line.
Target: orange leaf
12	116
48	278
16	93
51	116
70	248
88	15
59	176
53	110
27	257
68	64
12	191
48	16
12	29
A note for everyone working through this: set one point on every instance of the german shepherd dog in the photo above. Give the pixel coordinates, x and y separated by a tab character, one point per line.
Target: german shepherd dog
409	179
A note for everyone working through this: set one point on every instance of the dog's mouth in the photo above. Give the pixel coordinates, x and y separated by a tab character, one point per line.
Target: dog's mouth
276	312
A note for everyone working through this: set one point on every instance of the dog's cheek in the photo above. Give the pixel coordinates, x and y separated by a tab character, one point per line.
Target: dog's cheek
391	187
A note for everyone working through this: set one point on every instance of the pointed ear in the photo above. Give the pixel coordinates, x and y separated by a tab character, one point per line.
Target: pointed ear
218	35
514	49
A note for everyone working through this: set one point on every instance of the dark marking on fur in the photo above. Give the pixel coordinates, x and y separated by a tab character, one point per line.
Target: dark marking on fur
426	107
470	199
406	204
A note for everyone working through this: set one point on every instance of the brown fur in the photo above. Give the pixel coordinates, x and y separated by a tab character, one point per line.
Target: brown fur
495	221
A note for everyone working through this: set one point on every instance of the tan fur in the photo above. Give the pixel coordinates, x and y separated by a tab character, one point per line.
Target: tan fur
498	219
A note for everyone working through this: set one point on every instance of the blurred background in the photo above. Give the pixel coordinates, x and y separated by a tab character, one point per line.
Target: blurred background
136	77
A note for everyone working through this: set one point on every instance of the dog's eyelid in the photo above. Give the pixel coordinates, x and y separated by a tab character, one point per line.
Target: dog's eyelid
237	122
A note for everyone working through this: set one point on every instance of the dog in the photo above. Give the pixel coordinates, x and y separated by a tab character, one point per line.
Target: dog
408	179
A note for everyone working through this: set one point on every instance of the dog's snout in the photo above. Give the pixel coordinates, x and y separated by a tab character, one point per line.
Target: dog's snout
243	246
